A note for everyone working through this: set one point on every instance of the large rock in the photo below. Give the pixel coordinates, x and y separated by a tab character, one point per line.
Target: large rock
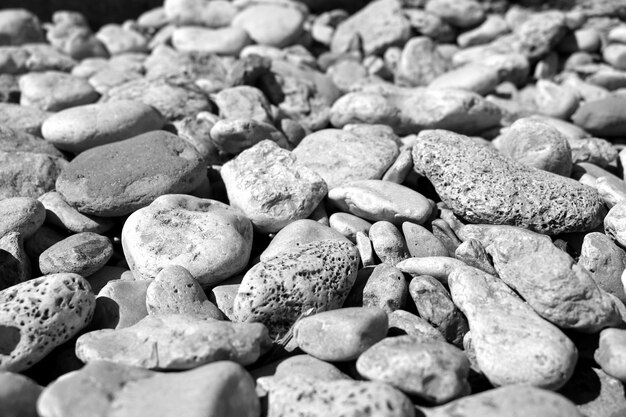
210	239
479	184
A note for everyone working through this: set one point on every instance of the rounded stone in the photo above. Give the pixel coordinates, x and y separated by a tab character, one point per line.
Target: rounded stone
19	26
211	240
278	24
349	225
341	335
421	242
54	91
40	314
18	395
120	303
611	353
479	184
605	261
386	288
388	243
432	370
603	117
378	200
84	127
59	213
224	41
119	178
402	322
21	214
82	253
28	174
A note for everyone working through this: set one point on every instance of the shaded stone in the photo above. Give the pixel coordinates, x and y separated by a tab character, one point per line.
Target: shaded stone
18	395
18	139
605	261
388	243
21	214
610	354
402	322
54	91
602	117
28	174
386	288
59	213
120	303
82	253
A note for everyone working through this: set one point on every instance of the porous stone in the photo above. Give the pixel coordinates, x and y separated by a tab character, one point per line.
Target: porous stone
512	344
435	305
386	288
537	144
605	261
59	213
339	156
270	187
341	335
422	243
82	253
315	276
28	174
54	91
21	214
211	240
610	353
18	395
119	178
379	200
429	369
84	127
40	314
478	183
175	291
175	342
103	389
317	398
548	279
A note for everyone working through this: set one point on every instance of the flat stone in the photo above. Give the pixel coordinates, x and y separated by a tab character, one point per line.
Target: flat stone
270	187
59	213
28	174
54	91
605	261
547	278
341	335
318	398
339	156
82	253
175	342
349	225
544	202
119	178
513	401
175	291
431	370
40	314
84	127
378	200
211	240
21	214
316	276
278	24
18	395
298	233
102	389
512	344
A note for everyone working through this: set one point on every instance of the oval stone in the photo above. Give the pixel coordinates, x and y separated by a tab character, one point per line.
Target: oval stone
119	178
21	214
82	253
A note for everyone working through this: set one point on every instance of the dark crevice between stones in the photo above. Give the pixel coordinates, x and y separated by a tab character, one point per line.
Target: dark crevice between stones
9	339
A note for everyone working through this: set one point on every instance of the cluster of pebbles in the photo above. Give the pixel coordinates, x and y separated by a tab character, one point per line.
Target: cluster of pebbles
279	208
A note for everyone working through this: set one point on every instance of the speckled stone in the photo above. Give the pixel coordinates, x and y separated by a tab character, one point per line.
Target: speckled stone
175	342
270	187
435	305
82	253
211	240
548	278
339	156
295	395
18	395
386	288
513	401
28	174
605	261
119	178
40	314
103	388
243	102
478	183
341	335
317	276
21	214
175	291
429	369
513	345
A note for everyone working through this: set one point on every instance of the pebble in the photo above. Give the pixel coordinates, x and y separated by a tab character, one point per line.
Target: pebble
27	119
377	200
295	395
84	127
610	353
349	225
386	288
420	63
82	253
271	188
539	33
547	278
120	303
512	344
366	251
54	91
316	275
298	233
18	395
339	156
121	39
18	140
270	24
493	26
605	261
474	254
28	174
615	55
310	367
422	243
21	214
388	243
602	117
555	100
119	178
105	388
175	342
435	305
19	26
439	267
402	322
432	370
222	41
514	401
595	393
537	144
39	315
175	291
341	335
213	14
233	136
474	77
462	14
243	102
59	213
543	202
211	240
